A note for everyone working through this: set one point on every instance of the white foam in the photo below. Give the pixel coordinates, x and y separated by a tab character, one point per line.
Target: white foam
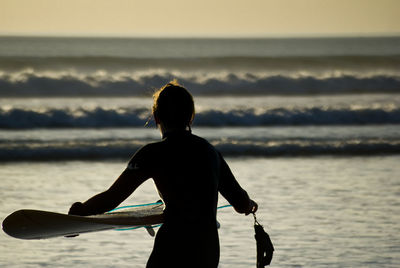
102	83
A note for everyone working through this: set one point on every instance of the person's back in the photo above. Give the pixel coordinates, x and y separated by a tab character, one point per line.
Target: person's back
185	171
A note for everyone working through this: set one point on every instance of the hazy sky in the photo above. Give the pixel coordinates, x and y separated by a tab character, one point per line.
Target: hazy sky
199	17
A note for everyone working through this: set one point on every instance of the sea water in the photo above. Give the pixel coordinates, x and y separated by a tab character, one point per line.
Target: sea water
310	128
319	211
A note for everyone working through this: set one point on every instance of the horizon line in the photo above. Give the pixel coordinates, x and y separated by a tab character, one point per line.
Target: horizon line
202	36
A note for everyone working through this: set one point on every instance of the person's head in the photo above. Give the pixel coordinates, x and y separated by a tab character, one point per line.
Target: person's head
173	106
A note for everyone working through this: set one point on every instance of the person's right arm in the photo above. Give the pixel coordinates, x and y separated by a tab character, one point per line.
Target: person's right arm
121	189
233	192
134	175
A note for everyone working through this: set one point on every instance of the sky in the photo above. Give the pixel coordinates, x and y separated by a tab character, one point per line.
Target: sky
190	18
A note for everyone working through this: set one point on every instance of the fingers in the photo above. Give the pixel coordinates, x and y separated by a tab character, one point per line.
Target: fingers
76	209
254	208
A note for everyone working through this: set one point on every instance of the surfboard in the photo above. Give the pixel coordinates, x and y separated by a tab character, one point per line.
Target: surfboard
38	224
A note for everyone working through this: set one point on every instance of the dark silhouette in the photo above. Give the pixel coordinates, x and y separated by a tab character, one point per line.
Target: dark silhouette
188	172
265	248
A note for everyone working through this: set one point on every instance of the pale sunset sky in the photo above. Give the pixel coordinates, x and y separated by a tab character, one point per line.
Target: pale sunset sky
213	18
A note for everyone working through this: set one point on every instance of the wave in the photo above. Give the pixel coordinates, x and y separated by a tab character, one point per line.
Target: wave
89	150
306	116
66	118
102	83
302	148
19	118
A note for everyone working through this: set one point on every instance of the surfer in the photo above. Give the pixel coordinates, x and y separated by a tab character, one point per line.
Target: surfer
188	173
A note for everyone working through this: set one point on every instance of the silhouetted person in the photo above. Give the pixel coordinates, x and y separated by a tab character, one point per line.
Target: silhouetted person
188	173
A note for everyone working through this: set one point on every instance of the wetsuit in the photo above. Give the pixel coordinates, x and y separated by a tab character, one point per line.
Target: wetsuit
188	173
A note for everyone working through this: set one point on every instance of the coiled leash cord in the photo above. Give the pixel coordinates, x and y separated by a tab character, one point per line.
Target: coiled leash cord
265	249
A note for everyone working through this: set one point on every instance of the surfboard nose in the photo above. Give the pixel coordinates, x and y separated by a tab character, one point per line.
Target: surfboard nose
15	224
30	224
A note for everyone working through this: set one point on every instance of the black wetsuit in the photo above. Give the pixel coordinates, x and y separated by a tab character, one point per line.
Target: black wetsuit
188	173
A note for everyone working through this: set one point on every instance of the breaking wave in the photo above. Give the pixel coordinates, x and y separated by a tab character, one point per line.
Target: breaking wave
102	83
19	118
90	150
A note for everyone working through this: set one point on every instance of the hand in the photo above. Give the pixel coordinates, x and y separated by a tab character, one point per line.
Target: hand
76	209
253	206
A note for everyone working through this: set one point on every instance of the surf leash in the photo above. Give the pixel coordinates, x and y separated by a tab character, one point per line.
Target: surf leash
135	206
143	205
265	249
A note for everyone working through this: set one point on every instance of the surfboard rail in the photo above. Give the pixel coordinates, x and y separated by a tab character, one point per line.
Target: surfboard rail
38	224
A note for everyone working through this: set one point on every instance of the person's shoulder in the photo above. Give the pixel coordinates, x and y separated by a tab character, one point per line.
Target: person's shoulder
204	143
144	156
151	147
200	139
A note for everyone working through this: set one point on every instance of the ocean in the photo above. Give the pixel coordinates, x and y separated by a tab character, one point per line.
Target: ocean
309	126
